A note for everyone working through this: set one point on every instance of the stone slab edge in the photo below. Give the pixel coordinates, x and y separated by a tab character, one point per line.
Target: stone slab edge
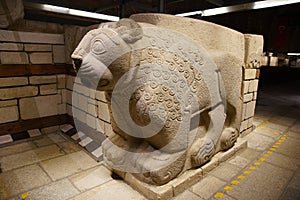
185	180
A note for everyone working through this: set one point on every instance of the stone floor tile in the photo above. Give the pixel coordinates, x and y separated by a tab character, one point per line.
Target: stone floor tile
275	134
59	190
207	187
56	137
249	154
290	147
22	180
292	191
29	157
276	126
43	141
69	147
225	171
283	120
67	165
16	148
187	195
261	184
294	134
260	142
239	161
296	127
91	178
283	161
112	190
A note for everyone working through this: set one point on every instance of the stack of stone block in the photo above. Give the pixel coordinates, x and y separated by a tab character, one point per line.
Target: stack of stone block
253	60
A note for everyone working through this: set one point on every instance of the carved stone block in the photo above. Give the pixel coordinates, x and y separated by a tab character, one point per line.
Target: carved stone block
174	91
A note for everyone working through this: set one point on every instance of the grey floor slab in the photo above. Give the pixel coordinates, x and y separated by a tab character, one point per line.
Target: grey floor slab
16	148
207	187
91	178
226	171
266	182
187	195
67	165
113	190
29	157
22	180
60	190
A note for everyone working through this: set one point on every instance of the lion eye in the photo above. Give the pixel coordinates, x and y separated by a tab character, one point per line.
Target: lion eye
98	47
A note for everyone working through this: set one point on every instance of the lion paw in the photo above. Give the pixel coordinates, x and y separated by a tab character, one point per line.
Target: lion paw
228	138
205	152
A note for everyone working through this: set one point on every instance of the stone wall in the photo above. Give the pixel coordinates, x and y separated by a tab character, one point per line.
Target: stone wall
253	60
29	86
87	105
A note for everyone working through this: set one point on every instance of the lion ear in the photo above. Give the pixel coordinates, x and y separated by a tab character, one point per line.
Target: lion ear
129	30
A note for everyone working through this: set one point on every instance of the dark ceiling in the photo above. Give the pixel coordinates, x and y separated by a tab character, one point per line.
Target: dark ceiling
266	22
123	8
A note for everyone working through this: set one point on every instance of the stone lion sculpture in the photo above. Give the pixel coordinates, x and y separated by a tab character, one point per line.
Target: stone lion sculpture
173	105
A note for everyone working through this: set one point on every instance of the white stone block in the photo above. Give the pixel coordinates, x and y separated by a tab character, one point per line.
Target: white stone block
8	103
37	47
248	97
61	81
97	152
40	58
13	81
81	89
246	86
18	92
69	110
5	139
85	141
9	114
254	96
34	132
78	136
100	96
31	37
100	126
91	121
48	89
59	55
250	74
103	111
64	96
92	93
40	106
80	101
69	97
92	110
42	79
250	108
62	108
79	114
70	82
253	50
14	57
11	47
253	85
66	127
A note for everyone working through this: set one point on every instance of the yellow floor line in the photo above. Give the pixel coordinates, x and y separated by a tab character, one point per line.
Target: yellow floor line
234	182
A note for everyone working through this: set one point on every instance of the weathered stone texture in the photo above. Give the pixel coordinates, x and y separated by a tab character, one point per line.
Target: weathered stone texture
9	114
40	106
13	81
59	55
11	11
11	46
48	89
253	50
250	74
40	58
37	47
8	103
42	79
18	92
61	81
13	57
30	37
